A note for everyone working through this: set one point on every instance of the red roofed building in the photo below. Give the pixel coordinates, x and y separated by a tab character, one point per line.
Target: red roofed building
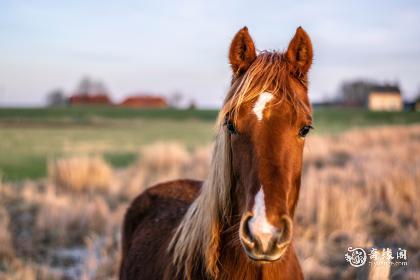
90	92
84	99
145	101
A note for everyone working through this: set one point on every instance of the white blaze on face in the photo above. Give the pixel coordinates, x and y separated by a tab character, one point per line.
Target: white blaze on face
258	224
261	103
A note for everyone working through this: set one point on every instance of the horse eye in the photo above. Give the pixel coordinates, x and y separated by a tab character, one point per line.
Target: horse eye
231	127
305	130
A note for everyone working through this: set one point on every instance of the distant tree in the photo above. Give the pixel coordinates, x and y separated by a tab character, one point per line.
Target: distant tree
88	86
175	99
99	87
192	104
355	93
56	98
85	86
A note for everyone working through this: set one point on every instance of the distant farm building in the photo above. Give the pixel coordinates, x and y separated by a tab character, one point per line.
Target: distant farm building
385	98
90	92
95	99
145	101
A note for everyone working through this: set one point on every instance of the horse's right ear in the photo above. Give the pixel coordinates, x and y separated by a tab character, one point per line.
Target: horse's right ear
242	52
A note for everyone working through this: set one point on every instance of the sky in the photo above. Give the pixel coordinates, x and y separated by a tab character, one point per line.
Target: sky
182	46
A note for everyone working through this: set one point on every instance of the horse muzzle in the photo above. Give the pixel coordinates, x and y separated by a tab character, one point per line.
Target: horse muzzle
262	241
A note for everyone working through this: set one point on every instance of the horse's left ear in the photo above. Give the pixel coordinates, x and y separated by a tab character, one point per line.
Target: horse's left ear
242	52
299	53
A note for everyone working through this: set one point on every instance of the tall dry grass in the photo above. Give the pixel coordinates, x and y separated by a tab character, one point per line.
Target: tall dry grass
81	173
359	189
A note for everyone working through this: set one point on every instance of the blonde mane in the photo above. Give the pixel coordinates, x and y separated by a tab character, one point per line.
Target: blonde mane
198	234
197	238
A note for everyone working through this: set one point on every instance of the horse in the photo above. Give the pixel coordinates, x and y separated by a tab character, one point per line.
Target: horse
238	223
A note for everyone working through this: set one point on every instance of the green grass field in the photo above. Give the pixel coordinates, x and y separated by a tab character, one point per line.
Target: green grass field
29	137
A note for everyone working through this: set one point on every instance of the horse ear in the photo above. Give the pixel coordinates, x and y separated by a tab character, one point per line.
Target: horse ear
242	52
299	53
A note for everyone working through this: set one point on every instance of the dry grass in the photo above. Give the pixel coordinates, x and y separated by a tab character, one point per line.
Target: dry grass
359	189
6	250
162	162
81	173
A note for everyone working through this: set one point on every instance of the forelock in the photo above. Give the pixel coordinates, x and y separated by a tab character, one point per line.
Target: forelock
268	73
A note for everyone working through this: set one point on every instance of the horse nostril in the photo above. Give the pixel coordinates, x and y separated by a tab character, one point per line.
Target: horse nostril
284	234
245	233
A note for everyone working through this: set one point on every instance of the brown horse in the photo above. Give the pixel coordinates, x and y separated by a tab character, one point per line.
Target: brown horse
238	224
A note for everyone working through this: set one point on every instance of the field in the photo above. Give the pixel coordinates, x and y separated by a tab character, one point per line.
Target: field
69	174
31	137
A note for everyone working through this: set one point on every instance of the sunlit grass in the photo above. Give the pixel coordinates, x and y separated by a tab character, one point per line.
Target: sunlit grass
24	149
29	137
